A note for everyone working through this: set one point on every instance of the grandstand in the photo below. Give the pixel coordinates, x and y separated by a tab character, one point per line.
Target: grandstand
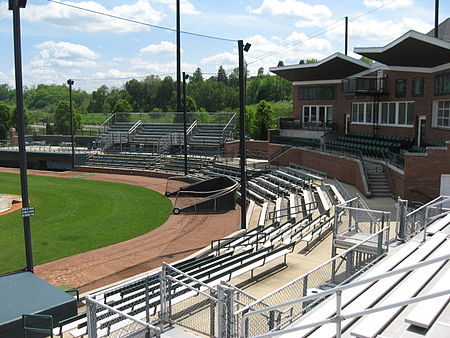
373	272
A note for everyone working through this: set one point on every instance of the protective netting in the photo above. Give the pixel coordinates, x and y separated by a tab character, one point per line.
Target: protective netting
127	44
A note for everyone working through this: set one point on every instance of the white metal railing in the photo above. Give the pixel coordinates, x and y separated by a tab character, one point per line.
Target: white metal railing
125	325
409	224
330	273
339	317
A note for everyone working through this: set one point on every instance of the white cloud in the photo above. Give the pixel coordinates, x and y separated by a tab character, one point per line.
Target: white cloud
186	7
115	73
162	47
369	31
292	8
312	44
65	50
68	17
267	52
389	4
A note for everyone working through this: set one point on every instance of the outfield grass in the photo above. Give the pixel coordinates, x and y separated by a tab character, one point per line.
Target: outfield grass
75	215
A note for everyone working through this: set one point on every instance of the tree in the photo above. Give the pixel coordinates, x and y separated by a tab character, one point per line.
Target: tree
62	119
197	76
5	121
13	118
366	60
222	75
98	101
265	119
122	108
260	71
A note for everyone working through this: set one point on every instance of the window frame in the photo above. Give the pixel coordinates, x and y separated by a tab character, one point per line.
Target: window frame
392	114
414	86
398	93
445	110
441	84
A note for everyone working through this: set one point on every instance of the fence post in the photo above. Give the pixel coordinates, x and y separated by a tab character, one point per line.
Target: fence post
163	291
147	297
91	311
402	208
338	313
221	320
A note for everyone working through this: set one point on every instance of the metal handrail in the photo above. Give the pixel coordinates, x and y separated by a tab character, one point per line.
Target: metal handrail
107	120
338	318
155	329
191	127
342	255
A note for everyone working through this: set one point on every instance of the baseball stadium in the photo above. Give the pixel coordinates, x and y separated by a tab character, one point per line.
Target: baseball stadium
178	224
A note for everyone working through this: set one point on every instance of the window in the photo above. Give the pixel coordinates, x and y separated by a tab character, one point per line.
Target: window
417	86
317	93
405	113
442	84
312	114
442	114
389	113
400	88
362	112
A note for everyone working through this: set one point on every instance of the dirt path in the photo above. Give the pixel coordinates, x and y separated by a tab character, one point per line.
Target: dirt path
178	237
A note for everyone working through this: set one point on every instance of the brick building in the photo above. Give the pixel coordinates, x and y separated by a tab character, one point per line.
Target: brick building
405	92
403	96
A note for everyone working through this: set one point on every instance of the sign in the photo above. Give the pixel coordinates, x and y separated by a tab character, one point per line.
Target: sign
27	212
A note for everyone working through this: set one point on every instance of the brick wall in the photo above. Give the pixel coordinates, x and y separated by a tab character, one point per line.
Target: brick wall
344	169
423	172
423	106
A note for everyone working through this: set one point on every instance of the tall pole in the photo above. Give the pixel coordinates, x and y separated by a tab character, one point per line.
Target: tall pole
436	18
346	35
14	6
185	125
70	83
242	151
178	58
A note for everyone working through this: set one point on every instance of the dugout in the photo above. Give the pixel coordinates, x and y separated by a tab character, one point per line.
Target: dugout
24	293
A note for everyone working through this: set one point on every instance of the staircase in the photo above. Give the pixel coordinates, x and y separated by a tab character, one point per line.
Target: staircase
378	182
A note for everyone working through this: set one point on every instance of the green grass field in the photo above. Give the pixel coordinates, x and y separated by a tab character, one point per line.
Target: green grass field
74	215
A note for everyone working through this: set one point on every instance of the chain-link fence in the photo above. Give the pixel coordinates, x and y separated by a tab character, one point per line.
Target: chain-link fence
356	220
340	269
187	302
438	208
409	224
106	321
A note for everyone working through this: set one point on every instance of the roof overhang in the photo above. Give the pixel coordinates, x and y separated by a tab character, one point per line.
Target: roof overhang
334	67
413	49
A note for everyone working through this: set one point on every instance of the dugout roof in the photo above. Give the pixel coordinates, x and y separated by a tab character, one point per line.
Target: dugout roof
25	293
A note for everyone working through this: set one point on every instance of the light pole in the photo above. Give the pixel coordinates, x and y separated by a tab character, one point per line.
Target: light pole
15	6
185	77
242	148
70	83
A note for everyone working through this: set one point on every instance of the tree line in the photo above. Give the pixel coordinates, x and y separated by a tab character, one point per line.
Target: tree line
48	104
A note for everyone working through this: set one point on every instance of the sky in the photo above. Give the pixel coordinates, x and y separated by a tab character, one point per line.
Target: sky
60	41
